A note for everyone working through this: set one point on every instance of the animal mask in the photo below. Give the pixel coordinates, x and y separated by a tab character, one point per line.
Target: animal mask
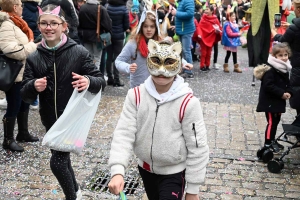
164	58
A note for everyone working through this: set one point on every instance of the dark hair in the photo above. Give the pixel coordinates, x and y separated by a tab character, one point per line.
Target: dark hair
281	46
229	15
211	8
197	7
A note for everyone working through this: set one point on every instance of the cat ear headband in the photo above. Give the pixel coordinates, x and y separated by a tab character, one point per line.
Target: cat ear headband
143	18
54	12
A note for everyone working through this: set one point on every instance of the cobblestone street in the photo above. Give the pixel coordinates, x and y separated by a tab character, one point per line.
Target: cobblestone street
235	133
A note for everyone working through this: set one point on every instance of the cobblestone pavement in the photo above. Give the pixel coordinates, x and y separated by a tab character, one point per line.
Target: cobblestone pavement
235	132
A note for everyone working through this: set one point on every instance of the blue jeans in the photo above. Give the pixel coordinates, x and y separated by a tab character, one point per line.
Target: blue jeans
186	42
14	102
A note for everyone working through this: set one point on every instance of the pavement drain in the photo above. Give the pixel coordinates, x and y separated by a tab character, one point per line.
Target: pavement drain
133	185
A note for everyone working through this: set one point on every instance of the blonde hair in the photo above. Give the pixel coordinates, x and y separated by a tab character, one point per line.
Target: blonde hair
8	5
281	46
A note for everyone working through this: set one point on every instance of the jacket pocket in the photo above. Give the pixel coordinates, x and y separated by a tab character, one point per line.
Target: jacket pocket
195	134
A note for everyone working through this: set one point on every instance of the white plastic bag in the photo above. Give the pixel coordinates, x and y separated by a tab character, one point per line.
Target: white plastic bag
69	132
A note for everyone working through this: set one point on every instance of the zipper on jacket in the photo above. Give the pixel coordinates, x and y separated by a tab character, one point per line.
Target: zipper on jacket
156	111
195	134
182	26
55	87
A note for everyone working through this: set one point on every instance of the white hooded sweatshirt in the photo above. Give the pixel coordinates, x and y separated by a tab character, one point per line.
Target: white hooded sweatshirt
154	132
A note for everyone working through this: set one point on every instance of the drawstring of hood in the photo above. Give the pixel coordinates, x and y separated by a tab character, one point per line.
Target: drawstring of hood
178	89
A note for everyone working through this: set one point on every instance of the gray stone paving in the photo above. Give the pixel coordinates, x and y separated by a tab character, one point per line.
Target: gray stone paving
235	132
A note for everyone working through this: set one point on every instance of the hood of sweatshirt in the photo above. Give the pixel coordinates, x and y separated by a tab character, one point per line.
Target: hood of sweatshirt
178	89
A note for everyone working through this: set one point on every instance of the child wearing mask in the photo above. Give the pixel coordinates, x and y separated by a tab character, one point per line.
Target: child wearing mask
163	124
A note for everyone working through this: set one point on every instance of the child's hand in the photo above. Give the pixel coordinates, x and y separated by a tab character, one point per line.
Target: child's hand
188	66
132	67
116	184
286	96
81	82
191	197
40	84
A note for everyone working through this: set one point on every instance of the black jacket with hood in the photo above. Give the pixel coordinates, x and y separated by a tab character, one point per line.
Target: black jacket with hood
292	37
273	85
57	66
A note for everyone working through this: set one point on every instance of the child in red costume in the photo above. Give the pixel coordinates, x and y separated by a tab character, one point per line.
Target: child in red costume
209	32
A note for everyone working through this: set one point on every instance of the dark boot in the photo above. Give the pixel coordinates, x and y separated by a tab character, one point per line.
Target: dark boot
9	141
118	83
23	134
110	81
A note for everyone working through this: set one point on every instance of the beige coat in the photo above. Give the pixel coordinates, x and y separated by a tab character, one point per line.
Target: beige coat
11	37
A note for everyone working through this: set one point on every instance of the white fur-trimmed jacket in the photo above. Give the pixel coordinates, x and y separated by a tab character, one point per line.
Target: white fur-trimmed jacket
11	37
157	137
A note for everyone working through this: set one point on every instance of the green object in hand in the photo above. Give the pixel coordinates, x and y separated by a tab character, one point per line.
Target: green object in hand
175	38
155	1
122	196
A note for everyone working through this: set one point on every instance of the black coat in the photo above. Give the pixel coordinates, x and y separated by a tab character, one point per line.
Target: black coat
45	63
120	20
88	22
30	15
273	85
292	37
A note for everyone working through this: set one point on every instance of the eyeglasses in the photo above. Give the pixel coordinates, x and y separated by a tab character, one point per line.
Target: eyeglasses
53	25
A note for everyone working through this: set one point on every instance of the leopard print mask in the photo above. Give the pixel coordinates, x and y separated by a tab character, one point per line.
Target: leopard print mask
164	58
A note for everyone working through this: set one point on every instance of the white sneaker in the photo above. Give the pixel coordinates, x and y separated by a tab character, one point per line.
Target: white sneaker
106	78
3	103
79	194
216	66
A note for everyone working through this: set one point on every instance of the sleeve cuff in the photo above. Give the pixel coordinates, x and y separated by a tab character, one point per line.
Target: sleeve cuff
192	188
117	169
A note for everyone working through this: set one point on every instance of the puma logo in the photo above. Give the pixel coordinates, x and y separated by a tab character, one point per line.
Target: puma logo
173	193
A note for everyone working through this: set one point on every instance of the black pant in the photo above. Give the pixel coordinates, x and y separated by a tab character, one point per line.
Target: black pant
60	164
273	120
14	102
112	53
216	51
103	62
234	55
163	187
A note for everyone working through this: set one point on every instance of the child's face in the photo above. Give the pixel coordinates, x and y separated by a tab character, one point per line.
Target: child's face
208	11
149	28
232	18
51	28
162	80
282	55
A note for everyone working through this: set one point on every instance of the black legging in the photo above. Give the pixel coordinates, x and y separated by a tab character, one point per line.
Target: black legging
234	55
216	52
60	164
